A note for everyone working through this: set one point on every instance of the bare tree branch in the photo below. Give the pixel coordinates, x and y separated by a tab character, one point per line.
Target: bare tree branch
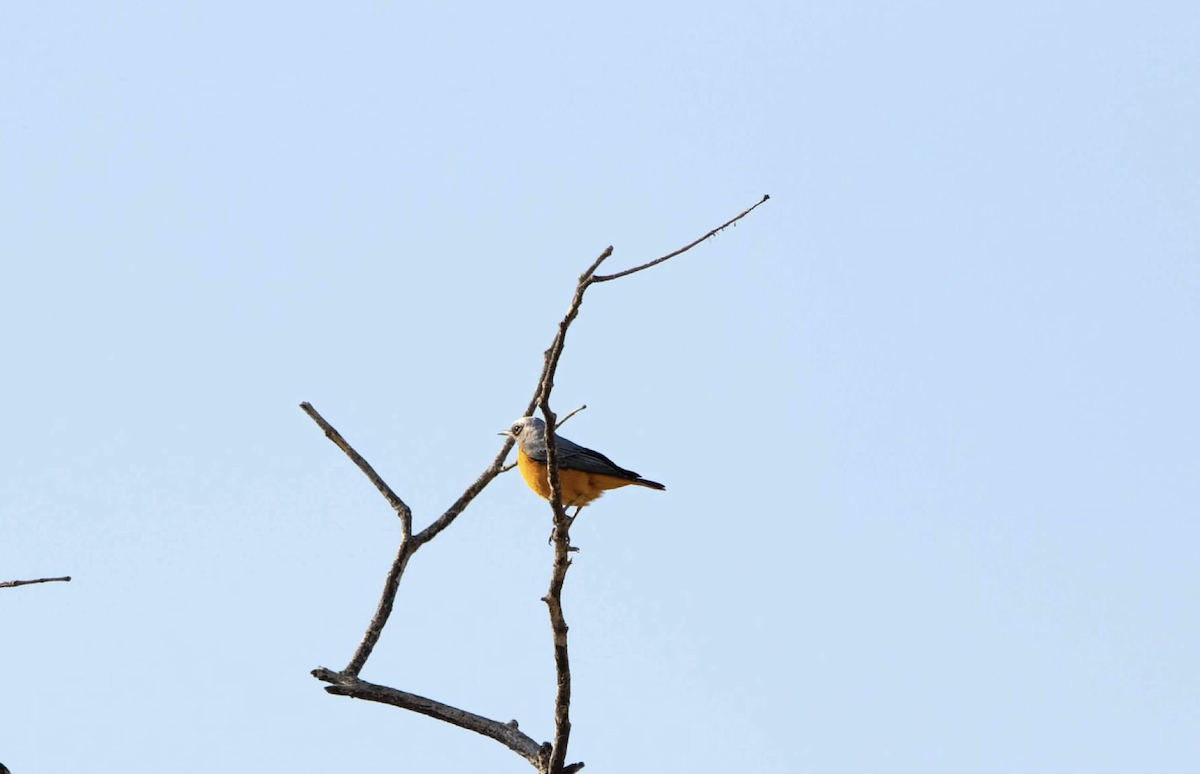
561	534
346	682
547	758
11	584
485	478
384	609
685	248
558	627
402	510
563	421
508	734
562	525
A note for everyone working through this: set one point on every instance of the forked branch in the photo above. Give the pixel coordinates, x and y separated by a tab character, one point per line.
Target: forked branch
547	758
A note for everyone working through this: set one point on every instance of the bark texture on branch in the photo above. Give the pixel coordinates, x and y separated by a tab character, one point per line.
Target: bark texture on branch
507	734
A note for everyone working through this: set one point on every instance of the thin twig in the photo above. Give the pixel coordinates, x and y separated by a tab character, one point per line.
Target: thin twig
11	584
563	421
685	248
507	734
393	499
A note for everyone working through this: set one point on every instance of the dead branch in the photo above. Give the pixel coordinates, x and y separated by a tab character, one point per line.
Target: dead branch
685	248
562	525
11	584
547	758
507	734
384	609
402	510
563	421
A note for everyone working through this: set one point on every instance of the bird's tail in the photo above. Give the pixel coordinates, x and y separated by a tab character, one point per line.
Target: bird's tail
649	484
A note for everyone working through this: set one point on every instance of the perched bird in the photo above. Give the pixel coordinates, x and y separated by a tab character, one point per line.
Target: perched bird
583	474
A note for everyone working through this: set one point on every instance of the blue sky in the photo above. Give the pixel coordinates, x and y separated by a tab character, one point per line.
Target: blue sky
927	421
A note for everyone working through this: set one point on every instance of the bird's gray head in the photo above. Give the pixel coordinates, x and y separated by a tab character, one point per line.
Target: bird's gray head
527	431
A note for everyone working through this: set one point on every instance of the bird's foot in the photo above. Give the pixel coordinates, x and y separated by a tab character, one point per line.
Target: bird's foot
566	529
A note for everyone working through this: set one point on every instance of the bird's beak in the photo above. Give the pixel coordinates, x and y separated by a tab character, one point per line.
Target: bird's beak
505	432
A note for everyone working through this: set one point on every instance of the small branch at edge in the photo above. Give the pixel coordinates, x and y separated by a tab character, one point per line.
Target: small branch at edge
11	584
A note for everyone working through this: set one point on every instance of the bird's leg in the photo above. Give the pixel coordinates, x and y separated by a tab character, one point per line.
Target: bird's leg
569	520
566	528
571	523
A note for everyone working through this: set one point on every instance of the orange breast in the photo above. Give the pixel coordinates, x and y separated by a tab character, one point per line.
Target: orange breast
578	487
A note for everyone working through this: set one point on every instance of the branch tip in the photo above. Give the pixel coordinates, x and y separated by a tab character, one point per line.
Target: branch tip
15	583
563	421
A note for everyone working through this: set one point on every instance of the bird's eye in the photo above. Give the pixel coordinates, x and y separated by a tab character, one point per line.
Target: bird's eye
516	430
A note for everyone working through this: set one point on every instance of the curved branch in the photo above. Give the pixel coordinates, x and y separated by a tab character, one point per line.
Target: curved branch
563	421
685	248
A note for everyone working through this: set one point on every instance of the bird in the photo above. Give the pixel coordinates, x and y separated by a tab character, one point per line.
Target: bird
583	474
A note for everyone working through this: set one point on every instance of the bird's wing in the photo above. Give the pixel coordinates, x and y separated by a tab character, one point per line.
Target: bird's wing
572	456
